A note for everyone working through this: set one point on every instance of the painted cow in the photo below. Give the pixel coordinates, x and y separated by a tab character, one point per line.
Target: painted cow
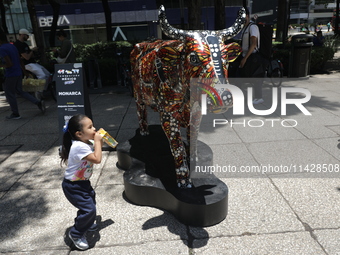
171	75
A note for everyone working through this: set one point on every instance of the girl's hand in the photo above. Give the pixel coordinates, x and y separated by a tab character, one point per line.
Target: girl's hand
96	156
98	138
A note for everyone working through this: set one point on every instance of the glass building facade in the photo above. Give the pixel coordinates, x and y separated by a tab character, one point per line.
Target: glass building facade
17	16
132	20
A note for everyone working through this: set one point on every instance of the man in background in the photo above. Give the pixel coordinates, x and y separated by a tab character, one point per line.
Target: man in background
27	57
251	65
12	85
66	50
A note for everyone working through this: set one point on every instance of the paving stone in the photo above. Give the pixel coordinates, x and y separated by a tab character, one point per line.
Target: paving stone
146	248
34	220
314	200
268	213
254	206
329	239
125	223
280	243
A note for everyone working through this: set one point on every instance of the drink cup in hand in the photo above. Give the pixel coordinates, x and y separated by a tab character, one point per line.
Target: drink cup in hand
109	140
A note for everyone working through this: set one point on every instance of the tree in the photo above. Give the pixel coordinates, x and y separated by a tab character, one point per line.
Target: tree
219	14
194	14
37	31
108	21
282	20
56	8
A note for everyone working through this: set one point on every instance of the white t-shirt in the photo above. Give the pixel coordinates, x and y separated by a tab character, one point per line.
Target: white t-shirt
77	168
253	29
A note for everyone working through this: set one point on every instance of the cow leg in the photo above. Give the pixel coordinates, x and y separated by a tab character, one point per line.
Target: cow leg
172	130
142	117
193	130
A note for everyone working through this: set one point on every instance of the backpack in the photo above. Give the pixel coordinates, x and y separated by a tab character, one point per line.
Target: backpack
257	63
266	34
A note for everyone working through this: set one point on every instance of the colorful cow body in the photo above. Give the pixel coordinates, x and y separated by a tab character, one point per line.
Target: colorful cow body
170	76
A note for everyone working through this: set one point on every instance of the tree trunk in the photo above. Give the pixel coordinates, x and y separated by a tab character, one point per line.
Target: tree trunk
219	14
56	9
282	20
38	35
194	13
3	17
108	21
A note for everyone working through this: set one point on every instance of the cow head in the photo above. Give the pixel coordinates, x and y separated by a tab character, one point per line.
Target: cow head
206	57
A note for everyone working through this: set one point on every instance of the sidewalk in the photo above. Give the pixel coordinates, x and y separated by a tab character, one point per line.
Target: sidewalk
268	213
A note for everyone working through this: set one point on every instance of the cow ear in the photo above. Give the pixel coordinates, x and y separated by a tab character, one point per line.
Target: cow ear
170	54
231	51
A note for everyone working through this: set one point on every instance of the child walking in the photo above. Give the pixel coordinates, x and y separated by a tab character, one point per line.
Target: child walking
79	154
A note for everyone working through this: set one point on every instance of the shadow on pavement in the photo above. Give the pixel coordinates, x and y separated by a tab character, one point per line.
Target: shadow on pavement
19	209
163	220
91	237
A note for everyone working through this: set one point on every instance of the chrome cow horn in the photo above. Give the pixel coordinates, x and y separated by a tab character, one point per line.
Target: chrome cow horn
169	30
236	27
180	34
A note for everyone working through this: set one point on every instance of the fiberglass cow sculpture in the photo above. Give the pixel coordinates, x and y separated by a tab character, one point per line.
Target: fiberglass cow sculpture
171	75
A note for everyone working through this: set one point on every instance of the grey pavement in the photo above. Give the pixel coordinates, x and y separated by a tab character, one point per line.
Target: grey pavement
273	212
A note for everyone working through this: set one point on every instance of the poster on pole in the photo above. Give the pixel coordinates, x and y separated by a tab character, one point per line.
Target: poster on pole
72	96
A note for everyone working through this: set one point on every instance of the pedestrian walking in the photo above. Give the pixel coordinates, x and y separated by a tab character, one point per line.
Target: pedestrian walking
27	57
80	155
251	64
319	39
66	52
13	77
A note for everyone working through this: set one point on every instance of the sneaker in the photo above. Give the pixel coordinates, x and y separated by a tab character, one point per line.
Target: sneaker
41	106
13	117
258	101
80	243
94	227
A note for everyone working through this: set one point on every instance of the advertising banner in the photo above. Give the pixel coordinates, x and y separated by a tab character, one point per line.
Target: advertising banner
72	94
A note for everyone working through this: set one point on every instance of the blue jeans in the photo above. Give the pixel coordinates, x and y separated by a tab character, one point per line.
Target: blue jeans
82	196
13	86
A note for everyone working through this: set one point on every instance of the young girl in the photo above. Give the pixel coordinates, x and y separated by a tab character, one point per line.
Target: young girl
80	155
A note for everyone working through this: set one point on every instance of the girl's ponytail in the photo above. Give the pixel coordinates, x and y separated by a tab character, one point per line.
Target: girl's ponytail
65	150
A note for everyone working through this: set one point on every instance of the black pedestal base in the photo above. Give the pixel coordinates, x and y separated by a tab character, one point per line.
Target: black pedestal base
150	180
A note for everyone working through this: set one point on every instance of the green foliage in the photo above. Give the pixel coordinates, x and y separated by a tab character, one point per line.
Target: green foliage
319	57
104	52
332	42
99	50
